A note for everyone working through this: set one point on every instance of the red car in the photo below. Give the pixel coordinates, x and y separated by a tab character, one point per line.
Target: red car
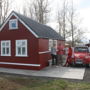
81	56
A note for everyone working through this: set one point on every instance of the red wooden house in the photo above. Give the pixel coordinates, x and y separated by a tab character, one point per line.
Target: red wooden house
25	44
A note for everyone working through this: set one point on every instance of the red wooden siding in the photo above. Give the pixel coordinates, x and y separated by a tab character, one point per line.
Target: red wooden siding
43	47
20	33
36	48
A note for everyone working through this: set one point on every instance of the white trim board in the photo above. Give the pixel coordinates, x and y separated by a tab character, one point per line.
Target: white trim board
44	52
22	64
20	21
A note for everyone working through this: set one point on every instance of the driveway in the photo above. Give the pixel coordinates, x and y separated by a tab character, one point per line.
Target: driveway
87	75
51	71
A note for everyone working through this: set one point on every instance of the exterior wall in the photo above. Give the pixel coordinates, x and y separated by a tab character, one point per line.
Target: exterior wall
20	33
44	56
44	53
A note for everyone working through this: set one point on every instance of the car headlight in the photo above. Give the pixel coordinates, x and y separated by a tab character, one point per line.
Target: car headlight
77	55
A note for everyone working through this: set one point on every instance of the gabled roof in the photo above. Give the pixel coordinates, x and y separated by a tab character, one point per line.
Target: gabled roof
42	31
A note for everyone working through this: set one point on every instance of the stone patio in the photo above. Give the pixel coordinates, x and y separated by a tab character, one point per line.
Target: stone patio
51	71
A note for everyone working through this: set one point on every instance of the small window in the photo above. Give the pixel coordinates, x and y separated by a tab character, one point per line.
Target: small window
13	24
6	48
55	42
21	47
50	44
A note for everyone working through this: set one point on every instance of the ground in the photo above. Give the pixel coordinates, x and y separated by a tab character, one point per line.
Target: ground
21	82
87	75
51	71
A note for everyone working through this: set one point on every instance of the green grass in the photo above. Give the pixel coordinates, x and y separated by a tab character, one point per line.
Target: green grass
79	86
11	82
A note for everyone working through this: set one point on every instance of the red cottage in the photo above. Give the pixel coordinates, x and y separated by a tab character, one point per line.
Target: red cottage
25	44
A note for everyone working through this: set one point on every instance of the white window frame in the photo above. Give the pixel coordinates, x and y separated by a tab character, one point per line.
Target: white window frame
5	41
55	43
50	44
10	24
20	41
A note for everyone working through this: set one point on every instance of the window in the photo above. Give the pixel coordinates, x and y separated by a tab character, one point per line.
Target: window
51	43
81	49
13	24
55	42
6	48
21	47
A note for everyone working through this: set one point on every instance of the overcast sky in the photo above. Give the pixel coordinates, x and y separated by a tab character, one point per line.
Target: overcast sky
82	6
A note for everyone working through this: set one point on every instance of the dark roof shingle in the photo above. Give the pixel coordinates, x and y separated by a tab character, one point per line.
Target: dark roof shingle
41	30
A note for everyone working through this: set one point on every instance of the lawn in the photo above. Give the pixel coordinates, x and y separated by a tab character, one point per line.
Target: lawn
12	82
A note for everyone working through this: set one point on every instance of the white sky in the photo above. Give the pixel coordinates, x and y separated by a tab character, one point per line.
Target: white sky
82	6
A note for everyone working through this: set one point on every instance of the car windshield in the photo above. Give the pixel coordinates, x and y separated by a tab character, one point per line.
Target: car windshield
81	49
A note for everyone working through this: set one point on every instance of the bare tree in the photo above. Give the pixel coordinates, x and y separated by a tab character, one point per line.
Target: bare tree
71	21
41	10
61	19
37	10
31	12
78	37
68	20
24	11
74	21
4	9
28	10
60	22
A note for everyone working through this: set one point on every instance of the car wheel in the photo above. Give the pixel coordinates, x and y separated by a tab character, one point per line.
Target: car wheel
87	65
70	65
73	64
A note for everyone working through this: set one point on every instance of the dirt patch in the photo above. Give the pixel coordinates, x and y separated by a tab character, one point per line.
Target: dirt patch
6	84
16	82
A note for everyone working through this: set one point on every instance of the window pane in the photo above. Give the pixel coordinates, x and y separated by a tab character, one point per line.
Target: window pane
19	50
3	44
23	43
14	24
7	43
23	51
3	50
55	43
18	43
50	44
7	50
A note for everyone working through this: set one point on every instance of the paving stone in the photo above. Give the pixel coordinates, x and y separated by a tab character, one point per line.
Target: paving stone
52	71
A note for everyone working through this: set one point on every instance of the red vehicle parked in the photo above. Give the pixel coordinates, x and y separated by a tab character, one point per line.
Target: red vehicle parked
81	56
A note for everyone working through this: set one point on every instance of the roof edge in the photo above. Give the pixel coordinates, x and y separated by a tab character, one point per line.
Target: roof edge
13	13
